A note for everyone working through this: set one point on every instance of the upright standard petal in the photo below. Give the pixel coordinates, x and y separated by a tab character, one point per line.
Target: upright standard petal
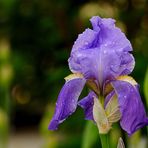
67	101
133	115
114	49
102	53
83	58
87	104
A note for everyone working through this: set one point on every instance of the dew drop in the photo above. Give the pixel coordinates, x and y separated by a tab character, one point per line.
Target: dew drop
112	66
86	43
125	97
104	51
61	120
113	43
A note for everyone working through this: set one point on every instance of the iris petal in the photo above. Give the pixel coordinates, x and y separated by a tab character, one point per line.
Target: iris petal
67	101
131	107
87	104
102	53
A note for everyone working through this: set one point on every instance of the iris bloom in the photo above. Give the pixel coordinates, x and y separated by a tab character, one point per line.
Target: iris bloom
101	59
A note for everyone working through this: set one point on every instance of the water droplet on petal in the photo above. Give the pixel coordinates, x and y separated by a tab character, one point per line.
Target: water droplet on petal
61	120
115	68
113	43
86	43
104	51
112	67
125	97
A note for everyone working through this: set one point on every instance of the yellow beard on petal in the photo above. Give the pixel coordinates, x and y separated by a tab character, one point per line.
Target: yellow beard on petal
93	86
128	79
73	76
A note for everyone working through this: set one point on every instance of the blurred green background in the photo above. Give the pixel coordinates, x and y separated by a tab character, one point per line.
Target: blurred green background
35	42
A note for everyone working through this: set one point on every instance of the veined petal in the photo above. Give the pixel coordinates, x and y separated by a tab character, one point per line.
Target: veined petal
102	53
67	101
87	104
131	106
128	79
112	110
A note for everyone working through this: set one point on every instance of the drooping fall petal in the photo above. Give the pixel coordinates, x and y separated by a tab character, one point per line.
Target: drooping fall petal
133	115
67	101
87	104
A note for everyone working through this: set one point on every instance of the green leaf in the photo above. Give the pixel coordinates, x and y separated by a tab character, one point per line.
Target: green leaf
90	135
146	87
146	90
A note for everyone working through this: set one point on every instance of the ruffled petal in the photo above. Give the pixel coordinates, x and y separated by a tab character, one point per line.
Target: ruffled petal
131	107
87	104
110	35
67	101
114	49
83	53
102	53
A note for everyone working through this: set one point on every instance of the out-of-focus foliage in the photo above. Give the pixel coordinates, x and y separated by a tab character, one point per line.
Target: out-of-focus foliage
90	135
4	127
39	36
6	74
146	87
137	141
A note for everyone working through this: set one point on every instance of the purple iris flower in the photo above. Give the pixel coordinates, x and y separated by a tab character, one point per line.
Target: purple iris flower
101	59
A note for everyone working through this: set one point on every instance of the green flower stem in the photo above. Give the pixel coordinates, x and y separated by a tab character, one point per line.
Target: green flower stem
104	140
